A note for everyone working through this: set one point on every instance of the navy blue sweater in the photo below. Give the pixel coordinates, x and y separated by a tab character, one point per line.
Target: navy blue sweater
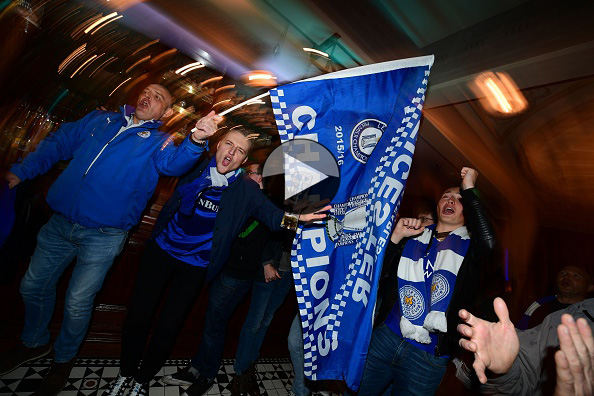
241	200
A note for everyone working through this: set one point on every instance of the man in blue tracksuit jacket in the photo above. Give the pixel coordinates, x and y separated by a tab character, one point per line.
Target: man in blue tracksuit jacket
115	163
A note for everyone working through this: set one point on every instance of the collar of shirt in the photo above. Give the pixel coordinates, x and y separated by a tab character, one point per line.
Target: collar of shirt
130	120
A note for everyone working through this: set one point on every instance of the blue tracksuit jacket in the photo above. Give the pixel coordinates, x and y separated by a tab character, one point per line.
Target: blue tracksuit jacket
108	180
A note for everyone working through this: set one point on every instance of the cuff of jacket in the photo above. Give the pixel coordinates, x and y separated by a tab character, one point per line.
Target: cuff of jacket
17	171
194	145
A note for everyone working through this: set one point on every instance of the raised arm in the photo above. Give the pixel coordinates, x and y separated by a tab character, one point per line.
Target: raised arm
175	161
474	212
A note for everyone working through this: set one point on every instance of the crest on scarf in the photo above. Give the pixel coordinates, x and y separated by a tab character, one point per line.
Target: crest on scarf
440	288
413	303
144	134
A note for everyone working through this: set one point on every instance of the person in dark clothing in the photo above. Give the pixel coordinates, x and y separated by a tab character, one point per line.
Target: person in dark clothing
191	242
433	275
573	284
268	294
252	253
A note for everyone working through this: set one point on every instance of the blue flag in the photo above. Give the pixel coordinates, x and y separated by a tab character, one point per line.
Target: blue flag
368	117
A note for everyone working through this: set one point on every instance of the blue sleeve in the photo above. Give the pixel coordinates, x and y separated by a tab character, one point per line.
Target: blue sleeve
175	161
58	146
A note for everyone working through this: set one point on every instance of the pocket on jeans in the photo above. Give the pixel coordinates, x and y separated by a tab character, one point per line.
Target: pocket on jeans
112	231
435	361
228	282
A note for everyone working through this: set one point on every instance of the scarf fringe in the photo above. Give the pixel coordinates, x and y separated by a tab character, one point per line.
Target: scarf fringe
414	332
436	321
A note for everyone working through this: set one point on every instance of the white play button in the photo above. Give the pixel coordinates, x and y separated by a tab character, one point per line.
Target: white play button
299	176
309	170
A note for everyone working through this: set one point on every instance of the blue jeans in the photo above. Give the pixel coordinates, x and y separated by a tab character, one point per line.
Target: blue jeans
392	360
296	351
58	242
224	295
266	298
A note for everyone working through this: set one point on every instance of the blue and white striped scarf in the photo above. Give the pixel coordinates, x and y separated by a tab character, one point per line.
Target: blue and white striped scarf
426	278
209	178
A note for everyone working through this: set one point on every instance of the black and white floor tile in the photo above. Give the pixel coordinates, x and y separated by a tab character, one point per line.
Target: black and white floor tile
90	377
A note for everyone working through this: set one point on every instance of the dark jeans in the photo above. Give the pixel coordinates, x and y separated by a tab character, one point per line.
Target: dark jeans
58	242
266	299
157	270
224	295
392	360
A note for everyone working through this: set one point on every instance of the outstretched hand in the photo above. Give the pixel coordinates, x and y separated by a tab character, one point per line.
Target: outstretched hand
317	215
495	345
406	227
206	126
575	359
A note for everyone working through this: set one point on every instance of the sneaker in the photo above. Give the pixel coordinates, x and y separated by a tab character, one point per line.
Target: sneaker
183	377
251	381
138	389
22	354
56	378
118	386
200	387
238	385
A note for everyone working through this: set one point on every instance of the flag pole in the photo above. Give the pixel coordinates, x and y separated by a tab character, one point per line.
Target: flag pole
237	106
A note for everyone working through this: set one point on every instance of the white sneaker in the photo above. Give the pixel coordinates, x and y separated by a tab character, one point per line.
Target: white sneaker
138	389
118	386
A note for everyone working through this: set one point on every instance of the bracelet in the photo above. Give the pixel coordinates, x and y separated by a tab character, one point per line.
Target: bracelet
199	143
290	221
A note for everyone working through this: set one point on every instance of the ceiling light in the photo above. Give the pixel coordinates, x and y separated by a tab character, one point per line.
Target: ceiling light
138	63
105	23
144	46
100	21
183	68
210	80
83	65
71	57
224	88
316	52
189	69
122	83
499	94
261	76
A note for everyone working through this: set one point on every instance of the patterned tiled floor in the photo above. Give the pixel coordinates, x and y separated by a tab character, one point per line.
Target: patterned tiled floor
90	377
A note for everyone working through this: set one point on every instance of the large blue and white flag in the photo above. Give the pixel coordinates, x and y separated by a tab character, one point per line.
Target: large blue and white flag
368	117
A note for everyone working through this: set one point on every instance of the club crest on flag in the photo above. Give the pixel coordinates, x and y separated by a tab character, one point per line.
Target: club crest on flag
364	138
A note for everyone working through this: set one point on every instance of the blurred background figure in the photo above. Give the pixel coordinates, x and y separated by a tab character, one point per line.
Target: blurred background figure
573	284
